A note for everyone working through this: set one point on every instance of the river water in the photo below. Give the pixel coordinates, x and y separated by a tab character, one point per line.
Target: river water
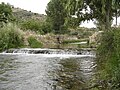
21	71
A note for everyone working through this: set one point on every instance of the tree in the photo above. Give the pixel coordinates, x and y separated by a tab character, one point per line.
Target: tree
116	5
56	15
72	22
5	13
101	10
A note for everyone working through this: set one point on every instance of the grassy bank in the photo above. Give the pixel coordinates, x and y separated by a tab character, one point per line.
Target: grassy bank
34	43
109	60
11	36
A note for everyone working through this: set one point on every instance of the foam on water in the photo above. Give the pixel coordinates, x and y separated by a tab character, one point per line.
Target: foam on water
49	52
49	55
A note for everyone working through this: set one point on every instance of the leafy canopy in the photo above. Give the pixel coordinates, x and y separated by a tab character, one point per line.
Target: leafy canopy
56	15
101	10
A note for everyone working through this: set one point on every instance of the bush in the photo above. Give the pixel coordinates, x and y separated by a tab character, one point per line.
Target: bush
109	57
31	25
34	43
45	28
37	26
10	37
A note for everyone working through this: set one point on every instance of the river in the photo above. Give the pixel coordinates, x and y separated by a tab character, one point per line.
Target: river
53	71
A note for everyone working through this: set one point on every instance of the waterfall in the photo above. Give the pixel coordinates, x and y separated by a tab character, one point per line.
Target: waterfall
60	52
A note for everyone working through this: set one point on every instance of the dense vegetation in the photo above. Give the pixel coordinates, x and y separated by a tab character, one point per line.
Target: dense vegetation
14	22
109	59
36	25
5	14
10	37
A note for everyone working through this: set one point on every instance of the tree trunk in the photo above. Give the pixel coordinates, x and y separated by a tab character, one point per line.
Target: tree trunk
116	13
116	7
116	17
108	15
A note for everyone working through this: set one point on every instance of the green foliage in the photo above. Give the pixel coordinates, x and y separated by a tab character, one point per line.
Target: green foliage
72	22
37	26
46	27
82	32
109	57
56	15
5	13
34	43
101	10
10	37
31	25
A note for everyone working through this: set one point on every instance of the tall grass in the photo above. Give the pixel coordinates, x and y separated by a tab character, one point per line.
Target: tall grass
34	43
109	58
10	37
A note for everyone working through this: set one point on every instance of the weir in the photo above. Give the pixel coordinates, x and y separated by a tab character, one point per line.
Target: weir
50	51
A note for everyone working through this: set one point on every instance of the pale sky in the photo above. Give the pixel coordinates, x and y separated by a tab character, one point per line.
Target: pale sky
39	6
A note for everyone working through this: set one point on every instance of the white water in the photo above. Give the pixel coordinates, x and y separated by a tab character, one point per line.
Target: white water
49	55
49	52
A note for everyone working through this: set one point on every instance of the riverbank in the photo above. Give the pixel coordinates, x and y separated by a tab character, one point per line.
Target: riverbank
50	40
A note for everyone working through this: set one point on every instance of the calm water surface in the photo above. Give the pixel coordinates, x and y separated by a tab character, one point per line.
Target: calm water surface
44	72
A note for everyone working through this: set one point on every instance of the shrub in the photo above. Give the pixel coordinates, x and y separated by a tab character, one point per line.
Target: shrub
34	43
45	28
10	37
109	57
37	26
31	25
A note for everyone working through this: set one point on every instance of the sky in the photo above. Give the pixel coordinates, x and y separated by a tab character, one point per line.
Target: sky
39	6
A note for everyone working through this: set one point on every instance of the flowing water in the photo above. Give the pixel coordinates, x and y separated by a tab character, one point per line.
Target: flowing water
46	69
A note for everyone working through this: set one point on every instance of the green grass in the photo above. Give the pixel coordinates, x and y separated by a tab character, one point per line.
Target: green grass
108	55
34	43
